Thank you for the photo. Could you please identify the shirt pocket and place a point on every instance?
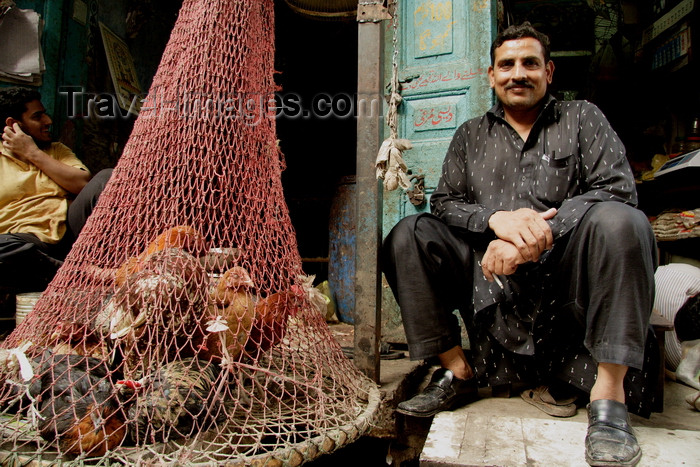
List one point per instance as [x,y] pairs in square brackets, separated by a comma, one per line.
[556,178]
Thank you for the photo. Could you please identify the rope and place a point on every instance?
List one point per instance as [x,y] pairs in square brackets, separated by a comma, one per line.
[390,164]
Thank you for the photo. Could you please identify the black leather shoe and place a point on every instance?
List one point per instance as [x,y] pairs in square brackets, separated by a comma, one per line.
[444,392]
[610,439]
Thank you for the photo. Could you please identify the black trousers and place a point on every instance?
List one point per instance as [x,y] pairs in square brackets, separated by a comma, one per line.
[26,263]
[596,308]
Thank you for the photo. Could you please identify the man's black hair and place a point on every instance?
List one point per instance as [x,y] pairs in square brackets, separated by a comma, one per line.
[518,32]
[14,100]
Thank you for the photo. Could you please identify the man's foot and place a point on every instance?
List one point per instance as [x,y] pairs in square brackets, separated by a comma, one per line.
[610,440]
[445,391]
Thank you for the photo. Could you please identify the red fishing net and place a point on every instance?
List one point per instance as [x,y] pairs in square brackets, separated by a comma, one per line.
[180,329]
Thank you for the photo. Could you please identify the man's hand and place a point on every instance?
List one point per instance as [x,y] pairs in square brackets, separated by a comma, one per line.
[526,229]
[501,258]
[20,144]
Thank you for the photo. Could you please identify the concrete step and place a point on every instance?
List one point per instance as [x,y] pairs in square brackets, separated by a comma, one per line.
[509,432]
[468,439]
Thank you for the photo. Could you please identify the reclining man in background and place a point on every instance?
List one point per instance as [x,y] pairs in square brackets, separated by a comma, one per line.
[534,237]
[46,194]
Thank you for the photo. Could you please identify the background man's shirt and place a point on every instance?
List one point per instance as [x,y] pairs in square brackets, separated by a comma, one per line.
[30,201]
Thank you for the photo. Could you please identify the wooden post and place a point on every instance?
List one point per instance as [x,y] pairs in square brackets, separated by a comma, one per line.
[369,195]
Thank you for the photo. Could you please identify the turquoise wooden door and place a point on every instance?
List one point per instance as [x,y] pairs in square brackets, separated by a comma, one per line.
[442,67]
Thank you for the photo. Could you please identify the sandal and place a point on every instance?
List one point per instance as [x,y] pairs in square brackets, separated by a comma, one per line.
[541,398]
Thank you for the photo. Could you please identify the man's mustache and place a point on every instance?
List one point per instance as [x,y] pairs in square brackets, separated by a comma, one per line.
[519,84]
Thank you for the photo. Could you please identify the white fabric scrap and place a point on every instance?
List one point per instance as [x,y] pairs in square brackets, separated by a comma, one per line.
[25,368]
[317,299]
[217,324]
[390,164]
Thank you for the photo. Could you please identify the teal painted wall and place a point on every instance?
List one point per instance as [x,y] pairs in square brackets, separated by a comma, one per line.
[442,60]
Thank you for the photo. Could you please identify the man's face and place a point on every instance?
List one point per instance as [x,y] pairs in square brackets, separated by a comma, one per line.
[36,123]
[519,74]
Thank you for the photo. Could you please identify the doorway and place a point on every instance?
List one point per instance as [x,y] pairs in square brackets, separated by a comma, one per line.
[316,74]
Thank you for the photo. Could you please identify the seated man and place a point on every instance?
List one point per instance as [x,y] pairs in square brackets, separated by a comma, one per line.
[40,214]
[534,237]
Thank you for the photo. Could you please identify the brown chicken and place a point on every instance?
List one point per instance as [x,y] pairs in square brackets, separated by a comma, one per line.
[156,310]
[231,284]
[78,339]
[79,408]
[183,237]
[271,315]
[232,306]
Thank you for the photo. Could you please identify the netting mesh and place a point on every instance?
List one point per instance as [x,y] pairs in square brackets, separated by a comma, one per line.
[180,329]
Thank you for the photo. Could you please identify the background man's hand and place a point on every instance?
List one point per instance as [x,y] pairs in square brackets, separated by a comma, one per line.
[526,229]
[501,258]
[19,143]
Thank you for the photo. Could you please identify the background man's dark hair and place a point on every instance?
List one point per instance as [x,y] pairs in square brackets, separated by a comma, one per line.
[518,32]
[14,100]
